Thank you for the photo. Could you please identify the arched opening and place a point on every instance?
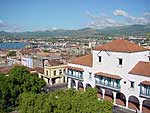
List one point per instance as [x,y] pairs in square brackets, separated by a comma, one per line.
[88,86]
[108,95]
[73,84]
[146,106]
[80,85]
[120,99]
[99,92]
[133,103]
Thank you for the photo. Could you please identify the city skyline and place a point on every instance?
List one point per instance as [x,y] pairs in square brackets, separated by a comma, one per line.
[33,15]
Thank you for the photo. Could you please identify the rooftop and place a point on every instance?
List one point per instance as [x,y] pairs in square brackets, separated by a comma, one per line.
[54,62]
[30,51]
[37,70]
[108,75]
[145,82]
[141,68]
[85,60]
[120,45]
[5,70]
[75,68]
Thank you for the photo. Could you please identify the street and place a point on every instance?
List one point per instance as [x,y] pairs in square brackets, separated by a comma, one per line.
[49,88]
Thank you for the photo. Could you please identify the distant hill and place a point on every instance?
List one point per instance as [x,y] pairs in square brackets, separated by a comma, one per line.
[109,31]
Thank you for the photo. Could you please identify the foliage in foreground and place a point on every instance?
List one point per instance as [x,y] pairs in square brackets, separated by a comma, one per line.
[19,80]
[68,101]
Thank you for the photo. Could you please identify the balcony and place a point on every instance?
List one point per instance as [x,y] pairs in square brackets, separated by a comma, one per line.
[75,77]
[145,91]
[109,83]
[74,74]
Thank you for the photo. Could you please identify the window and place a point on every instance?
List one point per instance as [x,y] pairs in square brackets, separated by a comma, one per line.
[60,71]
[90,75]
[54,72]
[46,72]
[64,70]
[149,58]
[132,84]
[120,61]
[100,59]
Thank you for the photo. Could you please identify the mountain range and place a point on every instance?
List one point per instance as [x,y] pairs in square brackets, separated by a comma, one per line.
[109,31]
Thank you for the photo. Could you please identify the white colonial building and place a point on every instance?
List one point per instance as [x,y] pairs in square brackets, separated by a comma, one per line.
[120,70]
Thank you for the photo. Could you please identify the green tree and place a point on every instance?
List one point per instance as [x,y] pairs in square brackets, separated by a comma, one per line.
[64,101]
[12,53]
[45,50]
[19,80]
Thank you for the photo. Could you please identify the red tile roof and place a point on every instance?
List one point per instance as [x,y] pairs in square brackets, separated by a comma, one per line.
[30,51]
[108,75]
[5,70]
[120,45]
[141,68]
[37,70]
[145,82]
[53,62]
[75,68]
[85,60]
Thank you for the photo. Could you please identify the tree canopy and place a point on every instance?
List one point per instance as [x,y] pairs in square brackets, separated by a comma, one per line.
[64,101]
[21,91]
[12,53]
[19,80]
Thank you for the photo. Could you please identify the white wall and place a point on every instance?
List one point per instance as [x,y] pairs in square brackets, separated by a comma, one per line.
[110,64]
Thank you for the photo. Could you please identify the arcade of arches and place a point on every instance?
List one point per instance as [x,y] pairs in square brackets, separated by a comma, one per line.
[118,98]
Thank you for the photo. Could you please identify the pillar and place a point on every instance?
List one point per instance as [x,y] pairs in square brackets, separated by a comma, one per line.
[103,93]
[69,82]
[65,79]
[40,75]
[127,101]
[76,81]
[141,103]
[84,86]
[50,81]
[114,95]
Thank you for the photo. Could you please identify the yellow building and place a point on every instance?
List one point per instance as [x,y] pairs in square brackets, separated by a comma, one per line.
[54,72]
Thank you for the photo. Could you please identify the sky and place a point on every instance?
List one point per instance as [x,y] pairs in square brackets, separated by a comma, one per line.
[33,15]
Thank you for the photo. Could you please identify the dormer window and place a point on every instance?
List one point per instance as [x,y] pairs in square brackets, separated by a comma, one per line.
[99,58]
[120,61]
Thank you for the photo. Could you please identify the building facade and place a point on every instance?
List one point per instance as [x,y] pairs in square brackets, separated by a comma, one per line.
[120,70]
[54,71]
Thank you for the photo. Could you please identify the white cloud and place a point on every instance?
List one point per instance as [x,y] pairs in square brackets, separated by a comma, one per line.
[147,14]
[132,19]
[137,20]
[119,12]
[4,26]
[102,21]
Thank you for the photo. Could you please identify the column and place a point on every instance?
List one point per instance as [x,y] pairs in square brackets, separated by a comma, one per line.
[50,81]
[76,81]
[84,86]
[69,82]
[141,103]
[65,79]
[126,101]
[39,75]
[103,93]
[114,95]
